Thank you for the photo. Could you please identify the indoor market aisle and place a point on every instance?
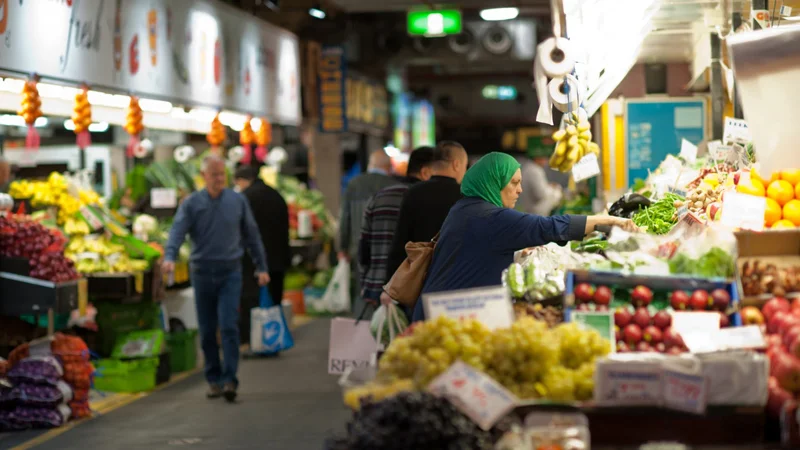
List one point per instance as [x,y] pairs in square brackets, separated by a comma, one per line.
[286,403]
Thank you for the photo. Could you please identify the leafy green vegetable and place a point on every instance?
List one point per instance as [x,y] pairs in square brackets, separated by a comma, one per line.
[638,185]
[660,217]
[717,263]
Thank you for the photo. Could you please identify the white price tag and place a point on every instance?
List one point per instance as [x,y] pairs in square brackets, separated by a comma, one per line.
[743,211]
[720,152]
[91,218]
[685,391]
[734,338]
[586,168]
[695,321]
[113,258]
[688,151]
[490,306]
[27,158]
[475,394]
[163,198]
[87,255]
[736,131]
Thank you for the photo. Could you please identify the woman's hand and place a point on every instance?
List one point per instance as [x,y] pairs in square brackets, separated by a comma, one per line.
[625,224]
[594,221]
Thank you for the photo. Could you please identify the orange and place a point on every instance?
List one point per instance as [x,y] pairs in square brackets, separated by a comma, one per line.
[791,175]
[791,211]
[782,224]
[757,176]
[781,191]
[773,213]
[797,191]
[755,187]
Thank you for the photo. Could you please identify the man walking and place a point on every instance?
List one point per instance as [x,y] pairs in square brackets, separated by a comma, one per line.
[272,217]
[380,222]
[358,192]
[426,204]
[220,225]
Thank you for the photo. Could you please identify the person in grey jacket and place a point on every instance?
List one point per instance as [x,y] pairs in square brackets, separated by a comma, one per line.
[358,193]
[221,225]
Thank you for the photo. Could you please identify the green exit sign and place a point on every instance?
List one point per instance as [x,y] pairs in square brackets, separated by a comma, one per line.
[493,92]
[434,23]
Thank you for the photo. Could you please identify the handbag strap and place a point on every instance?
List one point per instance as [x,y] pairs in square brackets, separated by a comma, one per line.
[436,238]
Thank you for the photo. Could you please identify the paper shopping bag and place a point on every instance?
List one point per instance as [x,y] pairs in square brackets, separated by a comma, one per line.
[351,345]
[269,332]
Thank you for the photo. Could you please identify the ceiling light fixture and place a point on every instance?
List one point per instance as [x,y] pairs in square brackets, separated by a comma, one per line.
[316,13]
[497,14]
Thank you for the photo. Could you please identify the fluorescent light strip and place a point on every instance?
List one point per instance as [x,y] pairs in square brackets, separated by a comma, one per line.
[99,127]
[497,14]
[12,120]
[316,13]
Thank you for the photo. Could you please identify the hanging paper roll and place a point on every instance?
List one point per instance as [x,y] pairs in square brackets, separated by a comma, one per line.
[133,125]
[216,136]
[246,139]
[263,139]
[31,109]
[82,118]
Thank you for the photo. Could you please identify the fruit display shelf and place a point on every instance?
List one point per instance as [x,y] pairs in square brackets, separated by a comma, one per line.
[25,295]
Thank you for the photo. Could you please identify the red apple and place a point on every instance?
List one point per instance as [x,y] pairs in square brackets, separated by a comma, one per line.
[643,347]
[788,322]
[752,316]
[679,300]
[786,371]
[775,322]
[601,308]
[789,336]
[795,304]
[672,338]
[632,334]
[652,334]
[720,299]
[713,209]
[602,296]
[662,320]
[699,300]
[584,292]
[622,347]
[774,305]
[794,347]
[724,321]
[641,296]
[777,398]
[661,348]
[617,334]
[622,317]
[641,317]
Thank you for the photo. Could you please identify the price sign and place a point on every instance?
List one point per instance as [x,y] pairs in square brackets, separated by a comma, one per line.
[490,306]
[743,211]
[735,338]
[586,168]
[685,391]
[163,198]
[475,394]
[695,321]
[688,151]
[736,131]
[83,296]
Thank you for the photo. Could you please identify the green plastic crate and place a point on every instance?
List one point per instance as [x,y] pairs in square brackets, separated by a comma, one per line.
[115,320]
[183,351]
[139,344]
[138,375]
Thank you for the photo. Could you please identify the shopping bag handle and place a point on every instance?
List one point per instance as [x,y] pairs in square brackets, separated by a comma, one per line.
[362,313]
[264,299]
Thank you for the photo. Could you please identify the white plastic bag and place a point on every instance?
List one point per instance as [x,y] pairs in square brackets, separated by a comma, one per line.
[337,296]
[387,323]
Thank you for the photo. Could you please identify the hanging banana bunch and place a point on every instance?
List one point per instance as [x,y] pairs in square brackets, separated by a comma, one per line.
[216,136]
[572,143]
[263,139]
[82,118]
[246,139]
[134,125]
[30,110]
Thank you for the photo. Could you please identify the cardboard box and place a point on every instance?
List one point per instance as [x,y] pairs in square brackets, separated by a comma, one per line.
[780,248]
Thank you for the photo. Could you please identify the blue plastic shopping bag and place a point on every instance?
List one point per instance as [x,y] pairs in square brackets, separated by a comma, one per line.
[269,332]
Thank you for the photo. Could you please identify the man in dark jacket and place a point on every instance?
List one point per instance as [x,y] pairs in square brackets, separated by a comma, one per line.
[272,218]
[426,204]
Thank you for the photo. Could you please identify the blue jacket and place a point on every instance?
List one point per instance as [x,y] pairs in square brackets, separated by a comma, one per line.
[478,241]
[220,229]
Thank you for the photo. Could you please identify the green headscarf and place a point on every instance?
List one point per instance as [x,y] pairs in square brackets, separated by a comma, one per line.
[487,178]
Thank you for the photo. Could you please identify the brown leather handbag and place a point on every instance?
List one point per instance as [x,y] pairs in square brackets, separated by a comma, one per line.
[406,283]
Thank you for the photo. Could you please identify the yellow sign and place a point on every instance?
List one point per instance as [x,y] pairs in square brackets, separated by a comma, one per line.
[83,296]
[367,102]
[332,90]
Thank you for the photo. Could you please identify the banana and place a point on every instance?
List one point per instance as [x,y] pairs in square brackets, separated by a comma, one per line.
[593,148]
[571,130]
[561,147]
[559,135]
[556,160]
[584,126]
[573,141]
[585,135]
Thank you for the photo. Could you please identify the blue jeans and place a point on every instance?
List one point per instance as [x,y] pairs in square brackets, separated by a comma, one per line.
[217,290]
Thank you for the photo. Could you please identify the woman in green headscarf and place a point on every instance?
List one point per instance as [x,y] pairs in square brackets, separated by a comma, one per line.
[480,235]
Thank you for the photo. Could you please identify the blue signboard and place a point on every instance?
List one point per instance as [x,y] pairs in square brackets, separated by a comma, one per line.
[654,129]
[331,79]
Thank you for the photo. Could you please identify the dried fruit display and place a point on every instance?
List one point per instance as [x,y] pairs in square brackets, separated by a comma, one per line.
[760,278]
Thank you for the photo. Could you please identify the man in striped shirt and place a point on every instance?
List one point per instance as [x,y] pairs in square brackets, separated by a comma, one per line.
[380,221]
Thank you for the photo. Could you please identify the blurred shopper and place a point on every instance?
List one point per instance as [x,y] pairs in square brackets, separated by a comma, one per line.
[380,222]
[272,217]
[539,196]
[482,231]
[426,205]
[5,174]
[220,225]
[358,193]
